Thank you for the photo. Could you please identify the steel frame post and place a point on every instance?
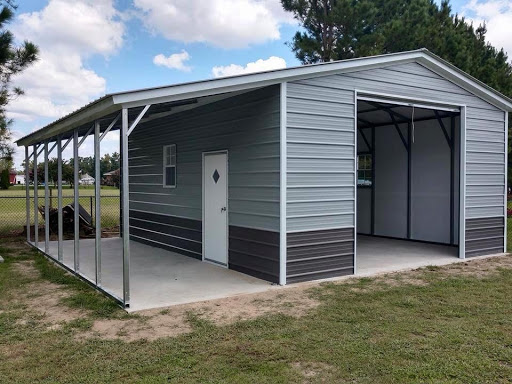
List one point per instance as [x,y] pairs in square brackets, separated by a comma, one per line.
[452,180]
[76,203]
[126,207]
[409,180]
[36,203]
[97,201]
[27,194]
[46,202]
[282,186]
[372,221]
[59,198]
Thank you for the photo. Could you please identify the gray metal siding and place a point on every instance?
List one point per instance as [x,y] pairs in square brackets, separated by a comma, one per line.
[247,126]
[322,109]
[254,252]
[319,254]
[320,158]
[484,236]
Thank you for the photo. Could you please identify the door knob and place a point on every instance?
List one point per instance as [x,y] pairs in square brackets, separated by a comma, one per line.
[223,209]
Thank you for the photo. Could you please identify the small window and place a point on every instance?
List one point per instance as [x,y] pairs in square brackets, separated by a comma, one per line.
[170,166]
[364,170]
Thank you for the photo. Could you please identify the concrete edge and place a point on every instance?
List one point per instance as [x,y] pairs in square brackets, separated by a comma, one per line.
[395,270]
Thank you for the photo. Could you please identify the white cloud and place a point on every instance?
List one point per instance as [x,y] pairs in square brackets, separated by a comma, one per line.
[222,23]
[66,33]
[272,62]
[498,17]
[174,61]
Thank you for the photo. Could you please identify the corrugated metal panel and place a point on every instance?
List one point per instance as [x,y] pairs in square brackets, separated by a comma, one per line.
[246,125]
[484,157]
[170,232]
[484,190]
[304,223]
[485,146]
[484,236]
[319,254]
[472,201]
[254,252]
[319,194]
[362,82]
[484,167]
[483,211]
[485,135]
[415,69]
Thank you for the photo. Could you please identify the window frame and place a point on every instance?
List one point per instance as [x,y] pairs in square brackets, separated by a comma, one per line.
[365,171]
[167,149]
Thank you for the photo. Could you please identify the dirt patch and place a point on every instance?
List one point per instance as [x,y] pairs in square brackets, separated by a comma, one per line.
[26,268]
[42,302]
[479,268]
[42,299]
[295,301]
[313,371]
[147,327]
[157,323]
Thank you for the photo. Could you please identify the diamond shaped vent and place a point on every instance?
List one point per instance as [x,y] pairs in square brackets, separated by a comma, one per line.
[216,176]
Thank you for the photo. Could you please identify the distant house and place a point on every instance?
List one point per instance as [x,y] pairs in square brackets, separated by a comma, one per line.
[20,180]
[12,177]
[112,178]
[86,180]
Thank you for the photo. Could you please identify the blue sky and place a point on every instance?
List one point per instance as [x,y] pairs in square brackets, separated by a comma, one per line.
[92,47]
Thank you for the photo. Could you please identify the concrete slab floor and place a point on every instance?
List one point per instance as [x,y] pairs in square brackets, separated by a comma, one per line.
[378,255]
[159,278]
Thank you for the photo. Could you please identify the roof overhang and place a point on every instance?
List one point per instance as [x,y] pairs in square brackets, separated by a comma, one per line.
[116,101]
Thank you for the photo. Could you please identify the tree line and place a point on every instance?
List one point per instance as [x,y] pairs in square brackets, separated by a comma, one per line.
[108,163]
[346,29]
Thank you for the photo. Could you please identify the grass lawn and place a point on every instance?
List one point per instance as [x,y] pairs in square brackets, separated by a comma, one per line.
[12,205]
[448,324]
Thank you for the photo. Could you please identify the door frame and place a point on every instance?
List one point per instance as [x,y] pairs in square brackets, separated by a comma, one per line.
[204,154]
[423,103]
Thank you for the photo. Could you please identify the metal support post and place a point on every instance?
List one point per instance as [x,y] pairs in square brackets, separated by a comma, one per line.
[46,202]
[97,201]
[36,203]
[76,202]
[59,197]
[126,209]
[27,193]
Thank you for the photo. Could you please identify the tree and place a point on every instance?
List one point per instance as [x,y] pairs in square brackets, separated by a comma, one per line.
[4,179]
[13,60]
[343,29]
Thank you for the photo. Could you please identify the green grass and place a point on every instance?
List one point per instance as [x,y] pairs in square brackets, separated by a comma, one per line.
[453,330]
[13,208]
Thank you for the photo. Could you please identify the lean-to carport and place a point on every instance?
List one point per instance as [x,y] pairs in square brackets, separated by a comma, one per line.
[99,128]
[118,266]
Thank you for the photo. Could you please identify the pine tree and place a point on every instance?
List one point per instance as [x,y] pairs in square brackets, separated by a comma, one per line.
[13,60]
[343,29]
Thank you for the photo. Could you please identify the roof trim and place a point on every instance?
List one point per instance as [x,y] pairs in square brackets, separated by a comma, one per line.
[115,101]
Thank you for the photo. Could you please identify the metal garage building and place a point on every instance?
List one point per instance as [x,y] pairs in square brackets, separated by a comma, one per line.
[306,173]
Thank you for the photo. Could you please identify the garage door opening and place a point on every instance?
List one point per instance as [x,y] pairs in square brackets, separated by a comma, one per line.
[407,184]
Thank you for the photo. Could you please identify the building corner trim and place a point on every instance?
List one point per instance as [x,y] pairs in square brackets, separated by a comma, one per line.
[283,186]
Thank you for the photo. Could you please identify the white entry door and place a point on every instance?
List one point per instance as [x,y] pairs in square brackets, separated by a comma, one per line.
[215,189]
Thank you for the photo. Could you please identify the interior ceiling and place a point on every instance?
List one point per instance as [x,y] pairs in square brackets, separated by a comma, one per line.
[371,113]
